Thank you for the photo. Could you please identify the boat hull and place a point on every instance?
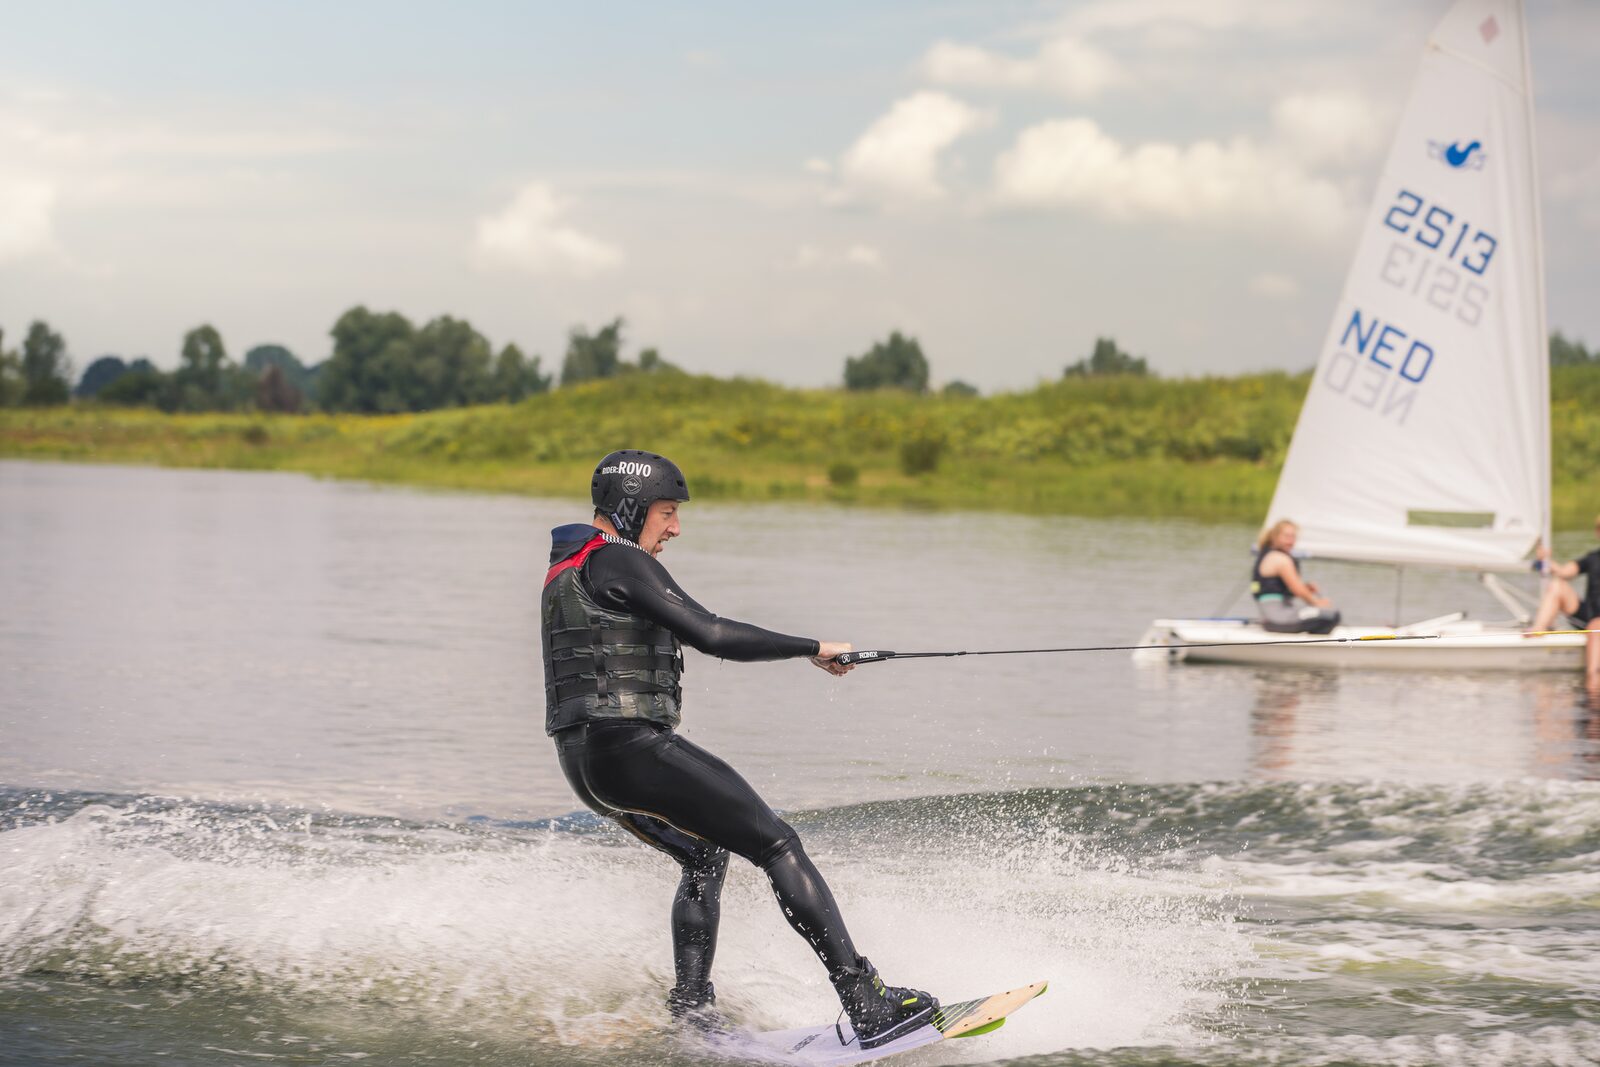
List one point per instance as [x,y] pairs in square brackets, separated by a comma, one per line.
[1465,646]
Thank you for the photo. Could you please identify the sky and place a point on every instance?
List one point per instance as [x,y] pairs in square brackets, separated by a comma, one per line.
[756,189]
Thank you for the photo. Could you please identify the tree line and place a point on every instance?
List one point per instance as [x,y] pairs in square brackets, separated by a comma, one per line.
[898,363]
[381,363]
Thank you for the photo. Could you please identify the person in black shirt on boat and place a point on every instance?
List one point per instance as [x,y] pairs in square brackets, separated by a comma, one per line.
[1560,598]
[613,623]
[1276,583]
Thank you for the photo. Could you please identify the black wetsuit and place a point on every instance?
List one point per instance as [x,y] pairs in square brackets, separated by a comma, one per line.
[671,793]
[1589,606]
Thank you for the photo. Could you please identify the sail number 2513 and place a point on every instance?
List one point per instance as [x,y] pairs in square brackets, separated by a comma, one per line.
[1433,227]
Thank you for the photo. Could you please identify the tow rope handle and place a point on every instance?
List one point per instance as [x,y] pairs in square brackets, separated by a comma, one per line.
[846,659]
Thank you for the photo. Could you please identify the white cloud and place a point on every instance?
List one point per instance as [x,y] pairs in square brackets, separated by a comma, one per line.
[1073,163]
[861,256]
[64,132]
[1274,286]
[1330,127]
[1162,16]
[26,206]
[1064,64]
[864,256]
[530,233]
[898,155]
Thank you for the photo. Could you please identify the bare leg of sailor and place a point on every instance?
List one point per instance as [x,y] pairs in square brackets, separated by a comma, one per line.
[1559,599]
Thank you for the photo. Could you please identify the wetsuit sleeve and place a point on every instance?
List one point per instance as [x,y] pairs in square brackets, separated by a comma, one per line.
[628,580]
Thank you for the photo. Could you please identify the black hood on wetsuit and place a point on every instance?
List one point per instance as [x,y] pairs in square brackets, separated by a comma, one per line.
[565,540]
[628,481]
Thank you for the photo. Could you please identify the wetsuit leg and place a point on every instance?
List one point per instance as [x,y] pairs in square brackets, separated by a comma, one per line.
[649,770]
[697,905]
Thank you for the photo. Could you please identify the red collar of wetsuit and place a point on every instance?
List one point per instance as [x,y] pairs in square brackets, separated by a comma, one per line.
[578,558]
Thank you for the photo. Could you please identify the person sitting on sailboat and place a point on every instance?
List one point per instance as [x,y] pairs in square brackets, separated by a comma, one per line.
[1560,598]
[1276,583]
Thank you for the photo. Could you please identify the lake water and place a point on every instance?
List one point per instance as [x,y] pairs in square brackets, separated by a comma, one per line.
[274,788]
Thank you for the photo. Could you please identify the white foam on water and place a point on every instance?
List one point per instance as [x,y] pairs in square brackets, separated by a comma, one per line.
[1576,1045]
[484,933]
[562,938]
[1551,957]
[1130,961]
[557,939]
[1414,887]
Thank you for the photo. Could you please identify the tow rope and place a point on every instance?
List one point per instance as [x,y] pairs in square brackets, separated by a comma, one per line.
[846,659]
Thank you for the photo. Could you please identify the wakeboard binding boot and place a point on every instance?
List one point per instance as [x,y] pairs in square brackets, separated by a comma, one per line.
[878,1013]
[696,1007]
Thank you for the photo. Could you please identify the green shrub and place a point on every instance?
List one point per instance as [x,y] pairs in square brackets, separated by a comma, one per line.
[921,454]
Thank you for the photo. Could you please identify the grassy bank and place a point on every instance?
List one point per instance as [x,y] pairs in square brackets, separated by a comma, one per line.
[1201,448]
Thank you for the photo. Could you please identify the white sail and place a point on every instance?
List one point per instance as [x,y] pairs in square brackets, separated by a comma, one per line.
[1425,433]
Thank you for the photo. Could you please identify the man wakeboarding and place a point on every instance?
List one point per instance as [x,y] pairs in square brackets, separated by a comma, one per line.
[614,622]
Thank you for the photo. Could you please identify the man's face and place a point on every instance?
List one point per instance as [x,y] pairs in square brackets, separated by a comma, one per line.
[660,526]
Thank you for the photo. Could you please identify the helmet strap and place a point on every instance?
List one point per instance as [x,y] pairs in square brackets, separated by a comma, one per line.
[629,518]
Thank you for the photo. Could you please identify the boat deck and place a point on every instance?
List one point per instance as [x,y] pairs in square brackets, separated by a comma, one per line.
[1462,645]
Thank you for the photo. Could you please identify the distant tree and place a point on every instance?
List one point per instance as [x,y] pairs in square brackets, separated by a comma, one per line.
[141,386]
[1565,353]
[1107,359]
[259,358]
[591,356]
[206,380]
[896,363]
[314,381]
[45,367]
[650,362]
[275,392]
[10,376]
[449,366]
[959,388]
[99,374]
[262,357]
[516,376]
[202,360]
[367,349]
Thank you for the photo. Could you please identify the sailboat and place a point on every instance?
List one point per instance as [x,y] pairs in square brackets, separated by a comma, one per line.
[1424,440]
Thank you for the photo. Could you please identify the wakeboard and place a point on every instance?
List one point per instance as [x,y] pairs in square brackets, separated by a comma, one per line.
[835,1044]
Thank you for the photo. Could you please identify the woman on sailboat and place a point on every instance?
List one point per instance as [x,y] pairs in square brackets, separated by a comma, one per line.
[1276,584]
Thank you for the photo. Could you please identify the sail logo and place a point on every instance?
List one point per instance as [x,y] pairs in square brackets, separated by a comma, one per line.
[1459,156]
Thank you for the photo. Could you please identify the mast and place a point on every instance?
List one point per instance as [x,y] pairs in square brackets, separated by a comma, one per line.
[1538,245]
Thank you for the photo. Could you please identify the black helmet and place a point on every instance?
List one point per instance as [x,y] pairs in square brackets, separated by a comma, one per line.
[628,481]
